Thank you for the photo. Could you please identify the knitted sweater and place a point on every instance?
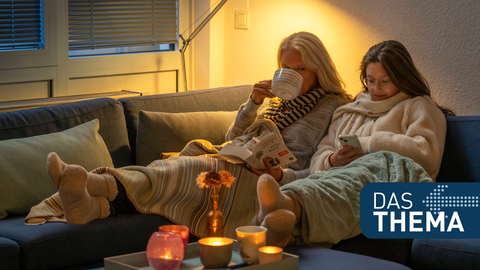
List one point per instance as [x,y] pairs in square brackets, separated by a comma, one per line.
[412,127]
[301,137]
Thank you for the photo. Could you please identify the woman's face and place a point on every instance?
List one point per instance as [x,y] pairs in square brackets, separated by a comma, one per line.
[292,59]
[379,85]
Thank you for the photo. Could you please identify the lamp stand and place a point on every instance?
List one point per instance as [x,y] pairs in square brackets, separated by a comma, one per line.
[193,35]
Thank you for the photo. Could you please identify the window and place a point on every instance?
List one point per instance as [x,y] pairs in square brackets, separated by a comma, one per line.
[99,27]
[21,25]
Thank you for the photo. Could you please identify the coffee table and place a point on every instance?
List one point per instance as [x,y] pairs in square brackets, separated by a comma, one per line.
[192,261]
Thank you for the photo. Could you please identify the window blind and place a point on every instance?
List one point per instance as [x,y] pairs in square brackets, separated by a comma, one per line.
[119,23]
[21,24]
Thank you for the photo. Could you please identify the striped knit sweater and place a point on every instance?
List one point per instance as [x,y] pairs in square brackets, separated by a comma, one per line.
[301,137]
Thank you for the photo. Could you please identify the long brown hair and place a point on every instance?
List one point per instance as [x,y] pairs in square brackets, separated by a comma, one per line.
[401,70]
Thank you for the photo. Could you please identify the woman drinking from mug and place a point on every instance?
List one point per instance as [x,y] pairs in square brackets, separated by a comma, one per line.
[304,120]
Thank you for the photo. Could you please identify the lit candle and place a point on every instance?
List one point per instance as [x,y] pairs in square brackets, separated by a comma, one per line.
[165,250]
[269,254]
[183,231]
[215,252]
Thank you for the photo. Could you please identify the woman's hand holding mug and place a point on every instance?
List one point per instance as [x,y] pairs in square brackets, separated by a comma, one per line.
[261,91]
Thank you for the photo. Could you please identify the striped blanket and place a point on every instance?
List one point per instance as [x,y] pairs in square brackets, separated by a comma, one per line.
[168,187]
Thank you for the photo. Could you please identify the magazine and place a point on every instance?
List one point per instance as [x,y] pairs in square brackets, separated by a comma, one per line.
[269,146]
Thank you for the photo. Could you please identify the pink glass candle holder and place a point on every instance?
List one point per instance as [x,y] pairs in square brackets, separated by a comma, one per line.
[215,252]
[165,251]
[269,254]
[183,231]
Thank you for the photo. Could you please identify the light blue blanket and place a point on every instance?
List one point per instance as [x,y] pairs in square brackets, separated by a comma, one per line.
[330,200]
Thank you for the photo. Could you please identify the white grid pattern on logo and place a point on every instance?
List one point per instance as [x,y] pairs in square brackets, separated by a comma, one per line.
[436,202]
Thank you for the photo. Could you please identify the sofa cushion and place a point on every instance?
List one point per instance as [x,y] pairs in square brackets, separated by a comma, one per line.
[25,181]
[169,132]
[9,254]
[215,99]
[44,120]
[59,245]
[445,254]
[314,257]
[461,161]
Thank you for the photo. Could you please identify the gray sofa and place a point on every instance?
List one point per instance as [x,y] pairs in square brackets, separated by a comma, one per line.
[62,246]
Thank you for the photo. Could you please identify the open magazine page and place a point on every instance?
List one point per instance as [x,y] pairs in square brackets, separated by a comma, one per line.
[274,150]
[238,154]
[269,146]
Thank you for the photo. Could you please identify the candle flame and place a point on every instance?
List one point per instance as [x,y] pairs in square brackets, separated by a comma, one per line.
[271,250]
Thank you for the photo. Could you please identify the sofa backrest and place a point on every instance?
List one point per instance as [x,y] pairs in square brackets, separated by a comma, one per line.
[215,99]
[44,120]
[461,158]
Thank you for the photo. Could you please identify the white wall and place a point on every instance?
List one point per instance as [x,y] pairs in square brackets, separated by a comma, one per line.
[443,37]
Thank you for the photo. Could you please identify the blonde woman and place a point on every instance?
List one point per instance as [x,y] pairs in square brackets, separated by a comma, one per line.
[303,121]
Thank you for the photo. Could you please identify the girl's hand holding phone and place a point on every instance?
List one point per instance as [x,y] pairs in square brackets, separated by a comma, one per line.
[350,150]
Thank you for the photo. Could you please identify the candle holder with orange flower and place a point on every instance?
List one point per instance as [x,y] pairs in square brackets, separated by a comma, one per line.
[214,180]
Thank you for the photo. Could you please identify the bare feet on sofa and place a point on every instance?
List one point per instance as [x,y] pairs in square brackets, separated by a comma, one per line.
[78,205]
[271,198]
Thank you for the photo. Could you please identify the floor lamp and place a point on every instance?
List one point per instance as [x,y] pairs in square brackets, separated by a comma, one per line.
[192,36]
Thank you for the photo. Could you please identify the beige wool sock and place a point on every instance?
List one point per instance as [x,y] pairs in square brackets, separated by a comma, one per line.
[271,198]
[279,224]
[78,205]
[103,184]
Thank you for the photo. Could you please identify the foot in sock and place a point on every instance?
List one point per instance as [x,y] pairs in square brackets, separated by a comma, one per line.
[78,205]
[97,184]
[55,168]
[271,197]
[279,224]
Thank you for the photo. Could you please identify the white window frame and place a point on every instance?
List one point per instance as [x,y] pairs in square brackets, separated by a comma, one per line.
[54,64]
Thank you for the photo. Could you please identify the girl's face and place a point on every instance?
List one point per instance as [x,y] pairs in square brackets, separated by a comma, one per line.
[379,85]
[292,59]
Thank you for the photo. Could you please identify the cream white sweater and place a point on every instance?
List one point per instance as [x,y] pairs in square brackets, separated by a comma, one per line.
[412,127]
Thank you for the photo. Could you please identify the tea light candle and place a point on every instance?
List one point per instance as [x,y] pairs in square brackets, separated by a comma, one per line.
[215,252]
[183,231]
[269,254]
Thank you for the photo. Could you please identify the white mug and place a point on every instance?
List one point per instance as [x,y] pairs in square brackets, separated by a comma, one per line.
[286,84]
[249,240]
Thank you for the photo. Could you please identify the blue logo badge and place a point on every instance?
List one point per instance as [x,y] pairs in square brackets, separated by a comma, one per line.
[420,210]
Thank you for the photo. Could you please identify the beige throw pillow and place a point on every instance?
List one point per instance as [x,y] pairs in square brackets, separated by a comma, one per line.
[160,132]
[24,181]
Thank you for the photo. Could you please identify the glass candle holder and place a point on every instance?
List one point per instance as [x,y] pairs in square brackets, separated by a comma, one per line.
[215,252]
[269,254]
[183,231]
[165,251]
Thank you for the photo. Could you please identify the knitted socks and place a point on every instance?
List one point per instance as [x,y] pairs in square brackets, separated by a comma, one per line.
[103,184]
[271,198]
[279,224]
[78,205]
[278,212]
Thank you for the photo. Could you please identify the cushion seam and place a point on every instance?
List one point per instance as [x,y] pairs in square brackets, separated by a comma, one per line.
[448,248]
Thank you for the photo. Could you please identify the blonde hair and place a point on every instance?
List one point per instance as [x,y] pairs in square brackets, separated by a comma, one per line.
[316,58]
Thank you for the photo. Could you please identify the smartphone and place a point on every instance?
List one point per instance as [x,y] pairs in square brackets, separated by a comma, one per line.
[351,140]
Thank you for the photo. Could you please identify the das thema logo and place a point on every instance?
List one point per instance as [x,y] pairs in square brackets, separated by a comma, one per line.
[420,210]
